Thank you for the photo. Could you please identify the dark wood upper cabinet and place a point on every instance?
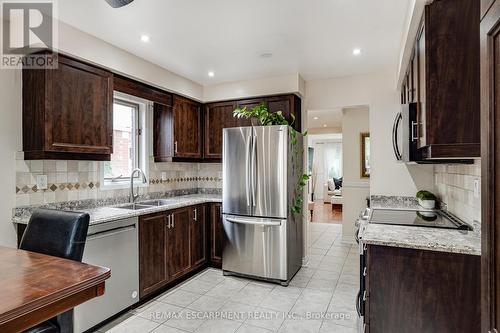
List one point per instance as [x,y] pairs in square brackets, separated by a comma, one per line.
[490,165]
[68,112]
[177,130]
[198,235]
[289,105]
[219,115]
[447,51]
[163,133]
[416,292]
[187,128]
[178,243]
[152,253]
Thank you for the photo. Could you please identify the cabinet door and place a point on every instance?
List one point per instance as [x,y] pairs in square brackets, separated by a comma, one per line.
[79,117]
[187,128]
[249,104]
[286,105]
[162,133]
[198,235]
[178,246]
[490,164]
[414,64]
[152,253]
[216,235]
[421,119]
[217,117]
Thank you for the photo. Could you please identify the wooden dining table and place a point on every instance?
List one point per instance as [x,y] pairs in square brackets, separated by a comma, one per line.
[36,287]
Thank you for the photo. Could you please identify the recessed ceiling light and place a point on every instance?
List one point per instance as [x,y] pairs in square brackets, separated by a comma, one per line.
[315,118]
[324,125]
[266,55]
[211,74]
[356,52]
[145,38]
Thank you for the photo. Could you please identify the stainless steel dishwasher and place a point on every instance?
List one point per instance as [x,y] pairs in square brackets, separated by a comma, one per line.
[114,245]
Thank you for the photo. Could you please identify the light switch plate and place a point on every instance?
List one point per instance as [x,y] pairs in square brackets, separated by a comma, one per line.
[476,188]
[41,182]
[163,176]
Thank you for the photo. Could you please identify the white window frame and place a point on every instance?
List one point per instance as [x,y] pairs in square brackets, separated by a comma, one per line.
[140,143]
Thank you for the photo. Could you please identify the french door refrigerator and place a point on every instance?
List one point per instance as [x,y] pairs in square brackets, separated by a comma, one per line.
[261,168]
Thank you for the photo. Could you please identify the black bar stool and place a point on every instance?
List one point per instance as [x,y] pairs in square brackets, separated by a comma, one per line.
[60,234]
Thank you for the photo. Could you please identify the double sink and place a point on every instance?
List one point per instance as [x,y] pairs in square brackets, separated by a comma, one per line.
[146,204]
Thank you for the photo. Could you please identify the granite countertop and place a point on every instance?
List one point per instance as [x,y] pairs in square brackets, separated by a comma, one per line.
[424,238]
[111,213]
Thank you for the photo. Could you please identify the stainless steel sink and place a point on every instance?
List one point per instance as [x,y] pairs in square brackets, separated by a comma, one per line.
[135,206]
[157,202]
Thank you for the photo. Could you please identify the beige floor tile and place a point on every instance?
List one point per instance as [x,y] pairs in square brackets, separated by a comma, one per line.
[219,326]
[179,297]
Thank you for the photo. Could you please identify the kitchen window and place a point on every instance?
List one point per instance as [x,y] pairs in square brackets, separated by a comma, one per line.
[129,143]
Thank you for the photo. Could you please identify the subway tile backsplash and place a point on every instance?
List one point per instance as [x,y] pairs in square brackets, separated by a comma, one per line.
[80,180]
[455,187]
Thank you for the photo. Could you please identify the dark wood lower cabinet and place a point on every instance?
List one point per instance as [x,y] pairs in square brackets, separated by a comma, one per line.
[416,291]
[172,244]
[198,236]
[178,243]
[152,252]
[216,235]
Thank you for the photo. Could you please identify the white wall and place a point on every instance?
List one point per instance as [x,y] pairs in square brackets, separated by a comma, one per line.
[378,92]
[250,88]
[354,188]
[10,142]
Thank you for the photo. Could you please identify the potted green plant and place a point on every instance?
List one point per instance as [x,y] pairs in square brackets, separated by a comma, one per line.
[260,116]
[426,199]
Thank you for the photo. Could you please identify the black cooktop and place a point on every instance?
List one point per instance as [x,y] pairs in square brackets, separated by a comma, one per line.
[432,219]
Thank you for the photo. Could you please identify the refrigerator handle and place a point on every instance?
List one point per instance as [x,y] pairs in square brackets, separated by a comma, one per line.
[247,171]
[242,221]
[254,167]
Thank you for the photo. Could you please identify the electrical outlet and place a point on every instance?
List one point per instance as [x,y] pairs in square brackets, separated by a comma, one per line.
[41,182]
[476,188]
[163,176]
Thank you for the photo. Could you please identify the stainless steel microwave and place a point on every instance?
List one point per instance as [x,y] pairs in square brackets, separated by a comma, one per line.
[405,134]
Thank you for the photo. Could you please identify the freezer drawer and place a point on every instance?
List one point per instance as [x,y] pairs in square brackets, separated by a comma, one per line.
[255,246]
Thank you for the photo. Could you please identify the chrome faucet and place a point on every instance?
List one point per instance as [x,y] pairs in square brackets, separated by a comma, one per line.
[133,196]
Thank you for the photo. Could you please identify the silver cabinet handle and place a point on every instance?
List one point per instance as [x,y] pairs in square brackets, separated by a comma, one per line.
[364,271]
[175,147]
[168,221]
[195,214]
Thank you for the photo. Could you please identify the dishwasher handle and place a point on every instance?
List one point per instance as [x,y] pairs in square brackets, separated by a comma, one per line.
[110,232]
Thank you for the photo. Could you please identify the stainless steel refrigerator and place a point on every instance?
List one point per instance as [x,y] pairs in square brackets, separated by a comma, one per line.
[261,169]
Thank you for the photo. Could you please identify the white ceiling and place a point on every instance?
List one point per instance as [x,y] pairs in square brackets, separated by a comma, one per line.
[331,118]
[192,37]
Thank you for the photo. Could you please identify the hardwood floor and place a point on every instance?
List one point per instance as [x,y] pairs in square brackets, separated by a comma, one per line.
[323,213]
